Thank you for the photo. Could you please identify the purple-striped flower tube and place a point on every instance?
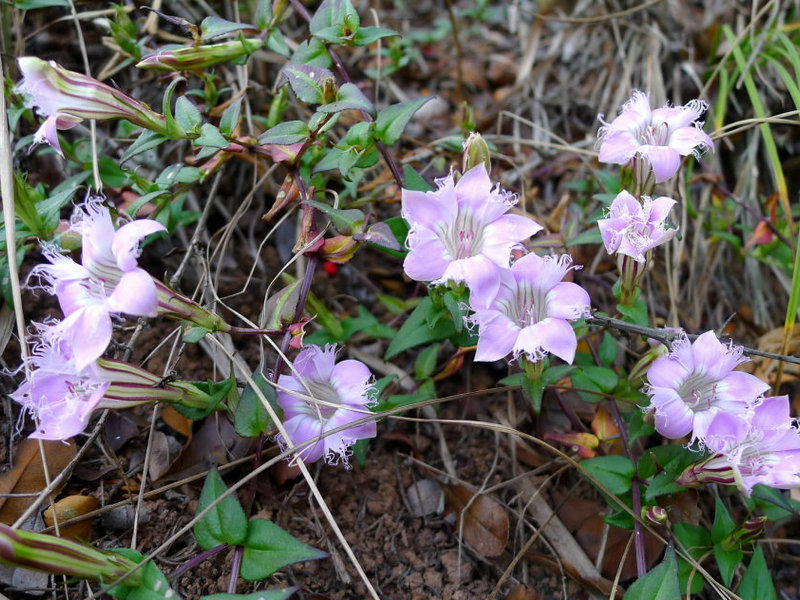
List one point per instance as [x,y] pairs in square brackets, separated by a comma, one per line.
[52,554]
[762,449]
[531,311]
[322,395]
[696,382]
[66,98]
[191,58]
[461,233]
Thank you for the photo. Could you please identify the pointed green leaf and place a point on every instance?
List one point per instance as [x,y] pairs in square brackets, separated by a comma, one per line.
[210,137]
[306,81]
[348,97]
[659,584]
[147,140]
[230,117]
[284,134]
[756,582]
[251,419]
[346,221]
[615,472]
[723,524]
[369,35]
[268,548]
[416,329]
[392,120]
[213,27]
[226,523]
[187,115]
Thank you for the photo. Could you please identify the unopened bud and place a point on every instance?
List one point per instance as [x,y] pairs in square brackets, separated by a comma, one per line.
[750,529]
[476,151]
[655,514]
[191,58]
[339,249]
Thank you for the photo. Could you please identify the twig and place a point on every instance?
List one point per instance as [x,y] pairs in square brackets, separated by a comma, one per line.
[667,337]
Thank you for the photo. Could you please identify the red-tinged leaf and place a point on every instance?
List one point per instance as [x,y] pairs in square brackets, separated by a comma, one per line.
[485,521]
[584,444]
[762,234]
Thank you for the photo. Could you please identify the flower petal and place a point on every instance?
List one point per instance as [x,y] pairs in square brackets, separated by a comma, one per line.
[135,294]
[88,330]
[548,335]
[350,379]
[665,161]
[496,335]
[125,244]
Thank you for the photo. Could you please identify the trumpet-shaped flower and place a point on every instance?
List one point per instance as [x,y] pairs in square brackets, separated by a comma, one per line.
[461,232]
[765,448]
[63,394]
[108,280]
[659,136]
[696,382]
[531,311]
[321,396]
[634,229]
[66,98]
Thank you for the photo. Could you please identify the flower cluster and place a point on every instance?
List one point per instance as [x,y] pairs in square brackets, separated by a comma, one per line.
[320,399]
[695,390]
[651,142]
[67,379]
[460,233]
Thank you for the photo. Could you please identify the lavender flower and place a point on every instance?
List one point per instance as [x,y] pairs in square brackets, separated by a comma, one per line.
[66,98]
[461,232]
[633,229]
[696,382]
[762,449]
[108,280]
[660,136]
[531,311]
[344,394]
[63,394]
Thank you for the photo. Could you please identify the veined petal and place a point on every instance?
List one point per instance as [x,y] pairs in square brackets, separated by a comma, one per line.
[687,139]
[350,379]
[88,330]
[567,300]
[666,372]
[302,428]
[555,336]
[496,335]
[316,363]
[673,419]
[125,244]
[432,210]
[426,260]
[618,148]
[48,133]
[665,161]
[741,386]
[474,189]
[658,208]
[135,294]
[479,273]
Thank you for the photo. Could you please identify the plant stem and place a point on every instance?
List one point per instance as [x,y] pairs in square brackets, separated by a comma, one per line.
[196,560]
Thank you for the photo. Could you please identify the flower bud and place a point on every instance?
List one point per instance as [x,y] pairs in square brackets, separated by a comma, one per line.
[476,151]
[655,514]
[750,529]
[64,557]
[192,58]
[66,98]
[339,249]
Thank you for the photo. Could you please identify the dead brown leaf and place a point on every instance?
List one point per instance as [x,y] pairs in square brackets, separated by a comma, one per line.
[28,474]
[485,520]
[69,508]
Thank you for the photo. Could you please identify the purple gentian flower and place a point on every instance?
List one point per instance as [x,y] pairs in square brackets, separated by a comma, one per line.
[344,393]
[531,311]
[634,229]
[60,393]
[461,232]
[765,448]
[108,280]
[660,136]
[695,382]
[66,98]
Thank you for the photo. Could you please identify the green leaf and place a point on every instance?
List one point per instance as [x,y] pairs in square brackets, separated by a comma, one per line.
[313,53]
[727,561]
[226,523]
[392,120]
[659,584]
[230,117]
[756,582]
[276,594]
[615,472]
[348,97]
[345,221]
[414,181]
[34,4]
[426,362]
[416,330]
[636,314]
[306,81]
[187,115]
[213,27]
[774,503]
[335,21]
[369,35]
[250,418]
[152,585]
[608,349]
[697,542]
[147,140]
[216,392]
[268,548]
[381,235]
[281,306]
[210,137]
[723,524]
[284,134]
